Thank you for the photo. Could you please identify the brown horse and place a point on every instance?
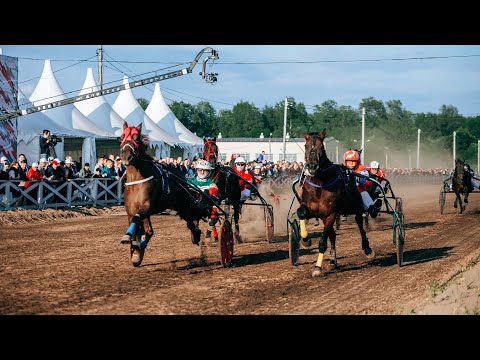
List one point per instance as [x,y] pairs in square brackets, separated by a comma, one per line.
[326,192]
[226,180]
[461,184]
[151,188]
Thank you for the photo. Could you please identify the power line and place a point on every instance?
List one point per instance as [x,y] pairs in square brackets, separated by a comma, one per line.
[270,62]
[344,61]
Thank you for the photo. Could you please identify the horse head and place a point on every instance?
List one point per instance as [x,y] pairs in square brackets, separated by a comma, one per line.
[458,174]
[210,151]
[314,152]
[131,142]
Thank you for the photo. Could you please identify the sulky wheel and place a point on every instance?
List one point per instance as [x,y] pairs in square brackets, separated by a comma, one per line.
[136,250]
[269,223]
[294,242]
[226,244]
[399,230]
[441,201]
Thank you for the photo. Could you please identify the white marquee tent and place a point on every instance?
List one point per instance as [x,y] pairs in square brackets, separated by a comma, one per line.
[97,108]
[162,115]
[129,109]
[30,127]
[68,116]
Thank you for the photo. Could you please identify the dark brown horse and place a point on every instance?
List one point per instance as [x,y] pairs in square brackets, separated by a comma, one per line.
[461,184]
[226,180]
[326,192]
[150,189]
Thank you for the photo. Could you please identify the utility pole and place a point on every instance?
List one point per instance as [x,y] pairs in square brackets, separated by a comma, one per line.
[418,149]
[363,136]
[100,67]
[454,146]
[270,147]
[337,150]
[285,128]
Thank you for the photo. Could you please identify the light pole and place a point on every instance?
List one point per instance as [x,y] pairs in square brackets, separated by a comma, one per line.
[270,148]
[454,146]
[418,149]
[386,158]
[362,156]
[337,149]
[285,128]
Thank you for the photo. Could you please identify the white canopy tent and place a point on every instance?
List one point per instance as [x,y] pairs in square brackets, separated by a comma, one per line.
[129,109]
[30,127]
[68,116]
[162,115]
[97,108]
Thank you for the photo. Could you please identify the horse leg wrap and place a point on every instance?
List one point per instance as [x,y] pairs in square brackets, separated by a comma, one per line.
[319,260]
[131,229]
[303,229]
[144,242]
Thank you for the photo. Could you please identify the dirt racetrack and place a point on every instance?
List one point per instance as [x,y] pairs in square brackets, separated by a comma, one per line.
[72,262]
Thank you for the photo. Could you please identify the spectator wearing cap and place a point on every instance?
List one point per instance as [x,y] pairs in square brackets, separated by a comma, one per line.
[33,174]
[85,172]
[56,175]
[4,164]
[69,173]
[72,164]
[42,166]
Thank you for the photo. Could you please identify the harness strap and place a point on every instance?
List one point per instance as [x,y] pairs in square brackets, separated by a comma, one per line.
[139,181]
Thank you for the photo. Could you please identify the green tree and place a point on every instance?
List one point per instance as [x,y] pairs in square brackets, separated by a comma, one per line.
[143,103]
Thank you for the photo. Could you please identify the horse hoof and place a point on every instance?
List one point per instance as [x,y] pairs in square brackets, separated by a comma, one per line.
[317,272]
[126,239]
[371,255]
[137,257]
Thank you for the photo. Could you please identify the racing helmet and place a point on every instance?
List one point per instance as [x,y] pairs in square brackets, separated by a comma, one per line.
[374,165]
[466,167]
[240,160]
[205,165]
[351,155]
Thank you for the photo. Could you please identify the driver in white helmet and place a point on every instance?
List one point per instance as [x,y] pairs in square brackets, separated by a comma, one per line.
[375,169]
[240,164]
[203,181]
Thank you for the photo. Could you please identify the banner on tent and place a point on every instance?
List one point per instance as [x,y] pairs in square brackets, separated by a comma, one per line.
[8,103]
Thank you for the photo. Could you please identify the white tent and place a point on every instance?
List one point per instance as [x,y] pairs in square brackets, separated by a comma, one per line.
[129,109]
[97,108]
[30,127]
[49,90]
[162,115]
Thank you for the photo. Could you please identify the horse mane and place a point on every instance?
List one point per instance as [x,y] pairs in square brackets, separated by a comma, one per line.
[144,146]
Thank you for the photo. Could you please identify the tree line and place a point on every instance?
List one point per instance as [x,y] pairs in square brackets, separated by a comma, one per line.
[389,121]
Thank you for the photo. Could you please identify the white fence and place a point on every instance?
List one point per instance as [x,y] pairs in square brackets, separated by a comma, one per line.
[58,194]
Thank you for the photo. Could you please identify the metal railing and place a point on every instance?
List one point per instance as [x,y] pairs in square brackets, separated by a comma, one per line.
[58,194]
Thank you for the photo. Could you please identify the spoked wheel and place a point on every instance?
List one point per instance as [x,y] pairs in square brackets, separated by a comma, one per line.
[399,231]
[294,242]
[269,223]
[226,244]
[441,200]
[136,251]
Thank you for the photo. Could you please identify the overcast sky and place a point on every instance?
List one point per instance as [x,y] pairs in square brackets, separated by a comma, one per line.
[340,73]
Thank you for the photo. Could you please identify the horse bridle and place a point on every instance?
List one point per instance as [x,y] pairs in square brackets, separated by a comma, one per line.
[210,150]
[314,151]
[132,130]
